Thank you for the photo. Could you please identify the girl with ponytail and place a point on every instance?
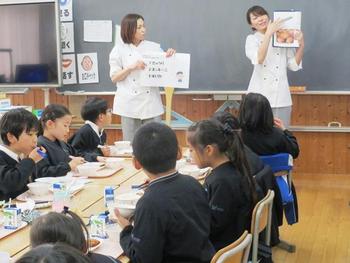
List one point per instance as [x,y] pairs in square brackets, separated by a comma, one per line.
[61,157]
[230,186]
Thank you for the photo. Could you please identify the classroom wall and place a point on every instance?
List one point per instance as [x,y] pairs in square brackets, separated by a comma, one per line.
[321,152]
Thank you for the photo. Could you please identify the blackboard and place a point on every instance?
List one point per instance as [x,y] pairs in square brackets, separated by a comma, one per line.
[214,33]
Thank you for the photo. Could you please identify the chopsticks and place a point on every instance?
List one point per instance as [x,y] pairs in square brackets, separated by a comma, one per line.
[140,186]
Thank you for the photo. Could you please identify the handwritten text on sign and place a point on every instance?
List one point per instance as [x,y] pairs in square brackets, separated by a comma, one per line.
[161,71]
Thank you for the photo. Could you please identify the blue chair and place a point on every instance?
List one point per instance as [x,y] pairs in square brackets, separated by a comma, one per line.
[282,164]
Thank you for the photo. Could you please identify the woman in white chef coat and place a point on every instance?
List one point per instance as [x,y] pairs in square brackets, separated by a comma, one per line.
[134,103]
[269,77]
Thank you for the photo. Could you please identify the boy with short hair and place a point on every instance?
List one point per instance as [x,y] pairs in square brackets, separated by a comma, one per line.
[18,129]
[88,139]
[172,219]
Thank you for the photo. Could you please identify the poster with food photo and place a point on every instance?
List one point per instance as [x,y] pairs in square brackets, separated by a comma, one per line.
[288,34]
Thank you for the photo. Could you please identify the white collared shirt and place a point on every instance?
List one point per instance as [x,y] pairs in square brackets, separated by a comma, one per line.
[132,100]
[95,128]
[270,78]
[10,153]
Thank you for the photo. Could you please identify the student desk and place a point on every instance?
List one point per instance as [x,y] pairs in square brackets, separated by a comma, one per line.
[86,201]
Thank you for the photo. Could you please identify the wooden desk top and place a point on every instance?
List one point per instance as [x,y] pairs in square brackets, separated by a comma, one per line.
[88,201]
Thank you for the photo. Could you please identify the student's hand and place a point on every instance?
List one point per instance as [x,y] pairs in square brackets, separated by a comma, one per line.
[138,65]
[274,26]
[106,151]
[170,52]
[101,159]
[75,162]
[122,221]
[35,156]
[299,36]
[279,124]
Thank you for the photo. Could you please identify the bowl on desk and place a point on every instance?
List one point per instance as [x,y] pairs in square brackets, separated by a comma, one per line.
[126,203]
[38,189]
[90,169]
[114,163]
[122,145]
[121,148]
[126,211]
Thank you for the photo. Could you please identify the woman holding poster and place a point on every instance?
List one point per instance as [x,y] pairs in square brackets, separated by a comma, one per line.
[269,77]
[134,103]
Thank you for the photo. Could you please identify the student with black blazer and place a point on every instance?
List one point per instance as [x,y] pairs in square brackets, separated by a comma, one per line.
[230,187]
[264,134]
[172,218]
[19,153]
[261,132]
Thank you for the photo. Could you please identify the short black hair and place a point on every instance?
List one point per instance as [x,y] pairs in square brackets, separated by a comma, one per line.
[255,114]
[155,146]
[92,108]
[54,253]
[16,122]
[226,117]
[66,227]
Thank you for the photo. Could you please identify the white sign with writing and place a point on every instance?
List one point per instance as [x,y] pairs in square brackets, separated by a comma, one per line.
[161,71]
[66,10]
[98,30]
[67,37]
[69,74]
[88,68]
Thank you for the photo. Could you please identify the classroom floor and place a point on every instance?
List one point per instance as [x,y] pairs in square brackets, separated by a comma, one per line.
[323,231]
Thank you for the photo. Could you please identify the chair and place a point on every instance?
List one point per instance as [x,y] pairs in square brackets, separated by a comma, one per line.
[282,165]
[237,252]
[261,219]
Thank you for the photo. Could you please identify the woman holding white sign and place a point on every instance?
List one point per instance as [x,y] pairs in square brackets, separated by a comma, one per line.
[134,103]
[269,77]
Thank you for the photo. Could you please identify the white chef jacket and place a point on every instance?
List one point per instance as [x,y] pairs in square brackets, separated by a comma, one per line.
[270,78]
[132,100]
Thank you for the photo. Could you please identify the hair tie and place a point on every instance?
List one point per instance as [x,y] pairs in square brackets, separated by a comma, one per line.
[65,209]
[227,129]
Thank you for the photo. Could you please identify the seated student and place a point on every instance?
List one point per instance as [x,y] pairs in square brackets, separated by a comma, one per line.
[230,187]
[18,130]
[67,228]
[266,135]
[262,174]
[261,132]
[87,139]
[172,218]
[55,121]
[49,253]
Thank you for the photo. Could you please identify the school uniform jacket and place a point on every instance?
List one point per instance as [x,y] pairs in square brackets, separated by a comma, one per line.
[99,258]
[56,162]
[14,176]
[172,223]
[86,140]
[230,202]
[277,141]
